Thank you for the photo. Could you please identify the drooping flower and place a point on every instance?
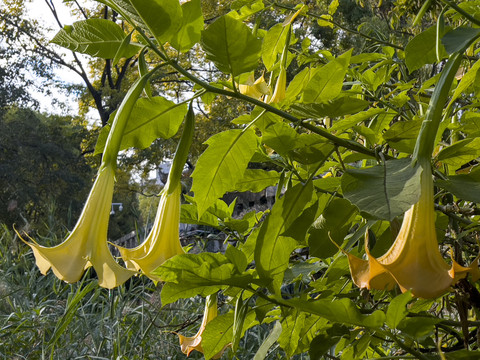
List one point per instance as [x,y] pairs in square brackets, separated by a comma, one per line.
[254,88]
[280,87]
[414,261]
[87,246]
[87,243]
[163,241]
[188,344]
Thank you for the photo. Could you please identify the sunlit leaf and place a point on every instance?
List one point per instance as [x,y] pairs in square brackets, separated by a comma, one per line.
[231,46]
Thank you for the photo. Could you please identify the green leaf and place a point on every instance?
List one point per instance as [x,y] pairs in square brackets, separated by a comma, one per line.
[356,118]
[192,26]
[397,310]
[251,7]
[332,225]
[281,137]
[219,331]
[403,135]
[321,344]
[460,38]
[291,328]
[262,351]
[418,327]
[150,119]
[464,186]
[229,43]
[460,153]
[189,215]
[340,311]
[421,50]
[221,165]
[201,270]
[273,250]
[256,180]
[341,106]
[384,191]
[162,17]
[95,37]
[327,82]
[467,80]
[273,44]
[171,292]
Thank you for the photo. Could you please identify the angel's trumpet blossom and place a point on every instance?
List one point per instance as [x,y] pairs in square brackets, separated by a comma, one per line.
[87,243]
[188,344]
[280,87]
[163,241]
[414,261]
[254,88]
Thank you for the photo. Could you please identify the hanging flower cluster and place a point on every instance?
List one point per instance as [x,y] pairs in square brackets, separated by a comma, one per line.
[87,245]
[414,261]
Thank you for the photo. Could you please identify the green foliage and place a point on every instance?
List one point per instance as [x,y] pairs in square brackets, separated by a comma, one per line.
[345,134]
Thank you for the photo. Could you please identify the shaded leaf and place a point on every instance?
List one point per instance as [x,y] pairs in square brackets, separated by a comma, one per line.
[384,191]
[341,106]
[421,50]
[192,25]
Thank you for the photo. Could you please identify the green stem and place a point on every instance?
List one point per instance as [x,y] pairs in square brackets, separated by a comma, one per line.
[114,139]
[183,149]
[433,117]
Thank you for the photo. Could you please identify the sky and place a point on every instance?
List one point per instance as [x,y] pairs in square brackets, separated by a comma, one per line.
[38,10]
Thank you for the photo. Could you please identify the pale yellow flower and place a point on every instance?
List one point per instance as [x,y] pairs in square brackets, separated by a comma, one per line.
[87,243]
[254,88]
[414,261]
[188,344]
[280,88]
[163,241]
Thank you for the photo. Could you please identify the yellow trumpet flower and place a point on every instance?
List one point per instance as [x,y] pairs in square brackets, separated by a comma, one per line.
[87,243]
[163,241]
[255,89]
[188,344]
[414,261]
[280,87]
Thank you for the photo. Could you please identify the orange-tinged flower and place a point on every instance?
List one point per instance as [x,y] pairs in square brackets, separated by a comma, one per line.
[280,87]
[188,344]
[87,243]
[255,89]
[414,261]
[163,241]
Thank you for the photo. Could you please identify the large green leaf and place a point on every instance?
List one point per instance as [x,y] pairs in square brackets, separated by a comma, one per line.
[220,167]
[291,328]
[273,250]
[340,106]
[332,225]
[231,46]
[468,79]
[195,272]
[219,332]
[327,82]
[464,186]
[273,44]
[95,37]
[460,153]
[460,38]
[421,50]
[162,17]
[262,351]
[256,180]
[190,32]
[384,191]
[397,310]
[340,311]
[150,119]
